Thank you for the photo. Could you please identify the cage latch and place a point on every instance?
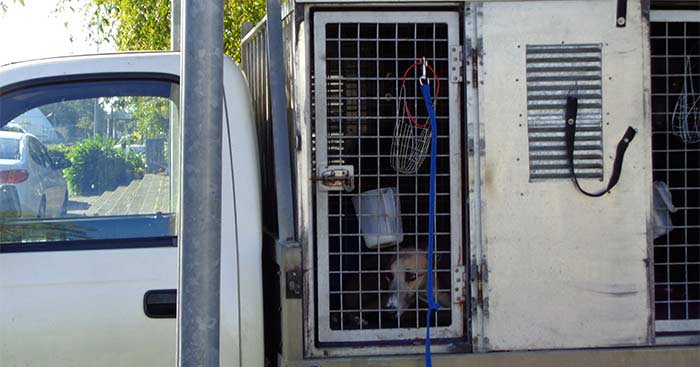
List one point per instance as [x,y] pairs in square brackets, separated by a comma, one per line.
[336,178]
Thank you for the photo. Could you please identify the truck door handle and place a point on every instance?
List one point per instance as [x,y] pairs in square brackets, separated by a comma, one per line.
[160,303]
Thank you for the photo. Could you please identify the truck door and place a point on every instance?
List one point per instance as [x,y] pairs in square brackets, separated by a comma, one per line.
[96,286]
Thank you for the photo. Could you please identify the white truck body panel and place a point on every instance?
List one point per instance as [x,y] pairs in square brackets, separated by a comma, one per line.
[85,308]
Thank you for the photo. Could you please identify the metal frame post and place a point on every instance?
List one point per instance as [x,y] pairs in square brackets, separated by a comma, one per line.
[280,123]
[200,227]
[175,22]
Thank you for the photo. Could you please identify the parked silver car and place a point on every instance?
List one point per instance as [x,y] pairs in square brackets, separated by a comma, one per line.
[31,182]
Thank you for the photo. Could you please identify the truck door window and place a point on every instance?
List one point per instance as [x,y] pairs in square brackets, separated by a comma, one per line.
[112,140]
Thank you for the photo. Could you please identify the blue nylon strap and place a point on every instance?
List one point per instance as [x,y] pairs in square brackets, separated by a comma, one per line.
[432,305]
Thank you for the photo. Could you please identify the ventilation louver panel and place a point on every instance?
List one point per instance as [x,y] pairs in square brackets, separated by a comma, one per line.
[553,73]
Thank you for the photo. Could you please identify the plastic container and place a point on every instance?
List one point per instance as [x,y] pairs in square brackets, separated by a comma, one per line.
[379,214]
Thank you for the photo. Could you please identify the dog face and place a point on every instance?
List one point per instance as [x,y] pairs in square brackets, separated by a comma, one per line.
[408,276]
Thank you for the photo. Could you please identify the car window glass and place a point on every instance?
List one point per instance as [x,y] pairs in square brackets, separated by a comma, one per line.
[45,155]
[35,152]
[112,144]
[9,148]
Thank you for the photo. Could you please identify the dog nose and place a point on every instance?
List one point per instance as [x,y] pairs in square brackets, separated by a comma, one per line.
[392,302]
[394,305]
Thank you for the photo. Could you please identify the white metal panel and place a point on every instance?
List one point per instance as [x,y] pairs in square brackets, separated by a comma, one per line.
[85,308]
[241,231]
[565,270]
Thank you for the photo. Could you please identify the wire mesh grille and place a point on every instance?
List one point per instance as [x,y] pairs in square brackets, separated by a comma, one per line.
[677,163]
[364,67]
[553,73]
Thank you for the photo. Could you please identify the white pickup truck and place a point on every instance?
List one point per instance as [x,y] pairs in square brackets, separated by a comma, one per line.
[95,286]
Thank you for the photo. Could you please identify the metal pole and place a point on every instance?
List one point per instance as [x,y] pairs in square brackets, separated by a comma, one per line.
[174,142]
[200,227]
[175,21]
[280,123]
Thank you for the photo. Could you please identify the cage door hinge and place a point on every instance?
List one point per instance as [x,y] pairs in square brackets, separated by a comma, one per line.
[456,64]
[336,178]
[475,68]
[294,284]
[479,276]
[472,55]
[459,280]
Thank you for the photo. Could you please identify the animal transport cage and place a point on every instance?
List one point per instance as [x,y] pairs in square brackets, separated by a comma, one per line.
[360,62]
[524,260]
[675,73]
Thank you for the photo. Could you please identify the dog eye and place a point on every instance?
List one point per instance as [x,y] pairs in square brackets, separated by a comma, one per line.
[410,277]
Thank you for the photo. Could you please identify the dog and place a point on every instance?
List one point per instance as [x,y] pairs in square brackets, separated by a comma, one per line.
[404,281]
[408,281]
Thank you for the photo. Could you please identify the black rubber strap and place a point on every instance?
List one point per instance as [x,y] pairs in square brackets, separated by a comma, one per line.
[621,19]
[570,136]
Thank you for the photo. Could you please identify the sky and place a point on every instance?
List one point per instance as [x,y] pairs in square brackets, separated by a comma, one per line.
[35,31]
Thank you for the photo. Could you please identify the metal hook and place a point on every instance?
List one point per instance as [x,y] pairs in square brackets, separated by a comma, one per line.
[424,77]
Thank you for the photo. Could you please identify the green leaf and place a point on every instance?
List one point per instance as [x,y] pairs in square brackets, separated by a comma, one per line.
[134,25]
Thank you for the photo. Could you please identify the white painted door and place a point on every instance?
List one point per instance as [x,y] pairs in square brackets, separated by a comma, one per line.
[564,270]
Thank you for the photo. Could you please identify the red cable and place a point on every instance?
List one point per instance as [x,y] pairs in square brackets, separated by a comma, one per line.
[437,91]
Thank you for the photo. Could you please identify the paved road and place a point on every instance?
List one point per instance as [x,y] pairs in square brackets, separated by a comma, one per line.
[145,196]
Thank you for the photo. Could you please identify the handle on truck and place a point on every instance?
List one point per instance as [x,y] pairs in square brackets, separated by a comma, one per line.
[160,303]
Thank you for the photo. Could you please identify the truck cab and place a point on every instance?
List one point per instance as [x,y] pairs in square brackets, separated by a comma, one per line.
[96,286]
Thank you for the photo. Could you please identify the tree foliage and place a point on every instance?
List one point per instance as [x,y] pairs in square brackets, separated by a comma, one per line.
[137,25]
[3,5]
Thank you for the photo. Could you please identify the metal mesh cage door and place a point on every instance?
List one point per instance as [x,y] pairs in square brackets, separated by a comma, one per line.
[372,241]
[675,68]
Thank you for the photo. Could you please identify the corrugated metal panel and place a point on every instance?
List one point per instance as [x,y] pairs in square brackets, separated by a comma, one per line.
[553,73]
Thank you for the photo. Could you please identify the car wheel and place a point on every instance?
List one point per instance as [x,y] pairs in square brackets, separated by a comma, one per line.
[64,207]
[42,208]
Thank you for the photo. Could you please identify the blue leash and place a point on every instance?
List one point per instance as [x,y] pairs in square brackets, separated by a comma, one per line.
[432,305]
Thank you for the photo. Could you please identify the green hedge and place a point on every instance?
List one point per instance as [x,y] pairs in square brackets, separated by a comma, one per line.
[96,166]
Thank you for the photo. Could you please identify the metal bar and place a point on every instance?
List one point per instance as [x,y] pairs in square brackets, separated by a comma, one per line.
[476,200]
[175,24]
[280,123]
[200,230]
